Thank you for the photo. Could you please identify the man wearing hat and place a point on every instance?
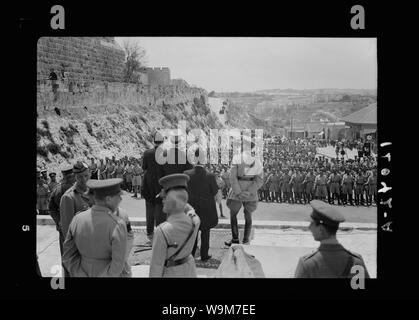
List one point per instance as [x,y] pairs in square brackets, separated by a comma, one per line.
[151,188]
[76,198]
[99,239]
[174,239]
[55,198]
[331,259]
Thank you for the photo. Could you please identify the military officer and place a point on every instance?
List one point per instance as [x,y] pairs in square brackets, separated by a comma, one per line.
[93,169]
[331,259]
[297,183]
[246,177]
[98,240]
[285,186]
[320,186]
[76,198]
[174,239]
[53,181]
[347,188]
[371,188]
[102,170]
[309,186]
[42,193]
[55,198]
[359,188]
[335,181]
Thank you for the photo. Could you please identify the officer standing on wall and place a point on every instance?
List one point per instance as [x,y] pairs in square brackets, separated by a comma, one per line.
[331,259]
[174,239]
[97,242]
[246,177]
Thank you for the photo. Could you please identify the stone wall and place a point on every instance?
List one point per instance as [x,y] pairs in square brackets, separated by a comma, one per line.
[158,76]
[63,95]
[80,59]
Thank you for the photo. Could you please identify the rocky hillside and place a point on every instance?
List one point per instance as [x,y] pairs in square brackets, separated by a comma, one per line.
[105,123]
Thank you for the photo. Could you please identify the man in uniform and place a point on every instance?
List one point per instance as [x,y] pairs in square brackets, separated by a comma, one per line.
[331,259]
[174,239]
[246,177]
[42,193]
[99,239]
[53,181]
[297,183]
[93,169]
[320,186]
[359,188]
[102,170]
[55,198]
[285,186]
[76,198]
[335,181]
[347,188]
[371,188]
[309,186]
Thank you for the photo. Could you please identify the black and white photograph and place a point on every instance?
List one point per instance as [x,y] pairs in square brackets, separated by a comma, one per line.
[207,157]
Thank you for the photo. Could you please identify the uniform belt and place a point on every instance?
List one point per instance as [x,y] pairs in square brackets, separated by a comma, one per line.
[246,179]
[321,185]
[173,263]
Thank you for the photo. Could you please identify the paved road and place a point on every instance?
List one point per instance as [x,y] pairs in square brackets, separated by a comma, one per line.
[270,211]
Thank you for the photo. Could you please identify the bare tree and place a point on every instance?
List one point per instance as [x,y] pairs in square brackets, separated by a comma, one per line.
[135,59]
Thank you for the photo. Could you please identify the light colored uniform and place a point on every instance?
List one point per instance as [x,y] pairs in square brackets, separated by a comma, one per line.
[96,244]
[175,230]
[245,178]
[72,202]
[126,272]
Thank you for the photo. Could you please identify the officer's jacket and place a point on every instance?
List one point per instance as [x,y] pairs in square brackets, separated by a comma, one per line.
[96,244]
[71,203]
[54,201]
[168,234]
[126,272]
[254,180]
[329,261]
[42,192]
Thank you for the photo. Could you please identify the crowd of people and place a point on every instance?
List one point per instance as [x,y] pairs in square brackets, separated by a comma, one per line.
[182,200]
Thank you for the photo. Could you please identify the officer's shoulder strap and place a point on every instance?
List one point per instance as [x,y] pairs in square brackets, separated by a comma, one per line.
[308,256]
[353,254]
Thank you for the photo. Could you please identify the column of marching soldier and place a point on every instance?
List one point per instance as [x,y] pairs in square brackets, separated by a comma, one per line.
[96,237]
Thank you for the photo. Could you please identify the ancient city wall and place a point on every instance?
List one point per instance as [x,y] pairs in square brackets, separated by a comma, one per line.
[81,59]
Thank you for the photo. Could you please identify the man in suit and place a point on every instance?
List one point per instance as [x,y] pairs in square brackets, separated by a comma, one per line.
[151,188]
[202,188]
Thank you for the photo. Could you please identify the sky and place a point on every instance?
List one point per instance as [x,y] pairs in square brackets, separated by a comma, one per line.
[250,64]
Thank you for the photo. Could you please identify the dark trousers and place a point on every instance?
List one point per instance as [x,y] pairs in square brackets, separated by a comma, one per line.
[205,239]
[249,207]
[154,216]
